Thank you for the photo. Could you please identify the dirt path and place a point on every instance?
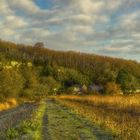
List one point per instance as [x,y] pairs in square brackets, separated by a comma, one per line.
[12,117]
[61,124]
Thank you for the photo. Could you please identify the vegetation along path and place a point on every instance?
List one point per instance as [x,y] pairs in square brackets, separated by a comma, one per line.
[60,123]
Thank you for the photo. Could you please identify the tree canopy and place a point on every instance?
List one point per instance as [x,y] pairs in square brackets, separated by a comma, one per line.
[30,66]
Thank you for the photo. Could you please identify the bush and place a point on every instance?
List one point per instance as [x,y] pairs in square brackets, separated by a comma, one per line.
[127,81]
[52,85]
[41,91]
[112,89]
[9,79]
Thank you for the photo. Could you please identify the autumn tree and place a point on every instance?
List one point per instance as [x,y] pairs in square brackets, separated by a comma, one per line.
[112,88]
[11,83]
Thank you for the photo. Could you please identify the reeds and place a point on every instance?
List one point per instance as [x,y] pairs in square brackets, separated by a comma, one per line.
[119,114]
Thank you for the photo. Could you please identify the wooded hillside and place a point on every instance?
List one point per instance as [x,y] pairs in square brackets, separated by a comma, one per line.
[67,69]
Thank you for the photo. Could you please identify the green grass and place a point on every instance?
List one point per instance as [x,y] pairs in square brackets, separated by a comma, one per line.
[12,133]
[38,120]
[65,124]
[29,128]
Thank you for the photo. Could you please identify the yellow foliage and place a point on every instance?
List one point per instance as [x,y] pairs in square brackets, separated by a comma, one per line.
[14,63]
[12,102]
[7,67]
[6,105]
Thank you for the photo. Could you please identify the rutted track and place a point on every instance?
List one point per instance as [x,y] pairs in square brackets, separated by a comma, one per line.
[58,123]
[12,117]
[63,124]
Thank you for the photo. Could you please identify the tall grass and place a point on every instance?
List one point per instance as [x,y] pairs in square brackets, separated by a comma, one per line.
[119,114]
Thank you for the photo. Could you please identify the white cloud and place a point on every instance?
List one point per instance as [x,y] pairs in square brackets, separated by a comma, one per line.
[90,6]
[7,32]
[82,29]
[105,26]
[14,22]
[26,5]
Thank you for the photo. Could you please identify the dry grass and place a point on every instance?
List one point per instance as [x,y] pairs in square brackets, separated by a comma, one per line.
[119,114]
[8,104]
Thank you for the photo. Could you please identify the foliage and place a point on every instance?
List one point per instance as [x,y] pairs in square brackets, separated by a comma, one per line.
[51,84]
[112,89]
[7,103]
[127,80]
[9,79]
[39,71]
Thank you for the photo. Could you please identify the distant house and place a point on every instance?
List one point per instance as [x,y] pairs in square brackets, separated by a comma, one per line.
[79,89]
[93,88]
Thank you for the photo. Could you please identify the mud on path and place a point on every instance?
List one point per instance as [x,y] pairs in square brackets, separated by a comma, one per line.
[59,123]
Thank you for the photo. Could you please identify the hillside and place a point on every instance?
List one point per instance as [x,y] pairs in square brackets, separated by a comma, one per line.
[36,68]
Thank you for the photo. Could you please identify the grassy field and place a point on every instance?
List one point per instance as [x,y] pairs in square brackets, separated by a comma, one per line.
[74,117]
[117,114]
[62,123]
[48,120]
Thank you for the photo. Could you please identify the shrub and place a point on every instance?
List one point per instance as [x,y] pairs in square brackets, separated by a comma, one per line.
[127,80]
[9,79]
[112,89]
[52,86]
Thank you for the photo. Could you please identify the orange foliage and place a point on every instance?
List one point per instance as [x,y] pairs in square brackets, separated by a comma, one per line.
[6,105]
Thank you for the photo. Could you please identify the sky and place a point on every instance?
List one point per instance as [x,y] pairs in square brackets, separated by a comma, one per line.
[104,27]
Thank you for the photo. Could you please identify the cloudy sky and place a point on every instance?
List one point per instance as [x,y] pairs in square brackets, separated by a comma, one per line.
[106,27]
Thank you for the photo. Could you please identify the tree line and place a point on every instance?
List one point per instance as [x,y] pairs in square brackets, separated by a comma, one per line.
[65,69]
